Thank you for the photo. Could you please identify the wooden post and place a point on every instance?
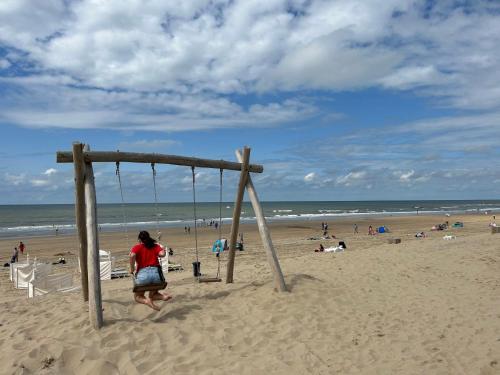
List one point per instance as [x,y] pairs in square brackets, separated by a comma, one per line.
[79,166]
[272,258]
[95,300]
[236,214]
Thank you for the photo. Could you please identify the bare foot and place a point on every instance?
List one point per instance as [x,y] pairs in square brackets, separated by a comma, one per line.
[166,297]
[157,296]
[151,304]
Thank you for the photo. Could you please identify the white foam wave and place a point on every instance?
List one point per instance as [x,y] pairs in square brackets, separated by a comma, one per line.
[277,215]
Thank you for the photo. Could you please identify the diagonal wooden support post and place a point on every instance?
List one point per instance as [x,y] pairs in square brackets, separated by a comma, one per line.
[236,214]
[265,235]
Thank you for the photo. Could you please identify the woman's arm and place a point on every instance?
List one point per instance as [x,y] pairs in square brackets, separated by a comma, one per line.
[162,252]
[132,263]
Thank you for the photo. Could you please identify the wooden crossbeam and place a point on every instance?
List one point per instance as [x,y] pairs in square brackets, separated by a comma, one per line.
[134,157]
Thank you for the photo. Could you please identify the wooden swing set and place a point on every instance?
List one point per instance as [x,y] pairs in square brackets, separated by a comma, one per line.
[86,212]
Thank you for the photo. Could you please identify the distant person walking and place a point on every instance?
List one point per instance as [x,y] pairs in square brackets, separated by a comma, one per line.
[21,247]
[15,256]
[355,228]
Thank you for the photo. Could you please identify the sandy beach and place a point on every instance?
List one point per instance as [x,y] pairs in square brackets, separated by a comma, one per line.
[424,306]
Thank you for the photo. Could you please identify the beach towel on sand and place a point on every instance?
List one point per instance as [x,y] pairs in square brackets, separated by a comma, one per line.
[333,249]
[220,245]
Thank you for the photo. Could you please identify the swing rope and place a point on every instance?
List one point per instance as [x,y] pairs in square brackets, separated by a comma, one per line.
[195,219]
[158,233]
[196,229]
[123,202]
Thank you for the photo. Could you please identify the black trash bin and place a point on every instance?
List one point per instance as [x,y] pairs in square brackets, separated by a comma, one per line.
[196,269]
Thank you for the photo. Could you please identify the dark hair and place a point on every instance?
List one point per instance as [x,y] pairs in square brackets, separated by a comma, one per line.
[146,239]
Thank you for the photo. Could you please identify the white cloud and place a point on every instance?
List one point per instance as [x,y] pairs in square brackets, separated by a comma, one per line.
[199,177]
[15,180]
[158,46]
[411,177]
[154,144]
[50,172]
[4,64]
[405,177]
[351,178]
[159,66]
[412,76]
[310,177]
[40,183]
[311,66]
[80,109]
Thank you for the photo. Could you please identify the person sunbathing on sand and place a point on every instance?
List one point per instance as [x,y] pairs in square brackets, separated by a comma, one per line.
[145,254]
[321,249]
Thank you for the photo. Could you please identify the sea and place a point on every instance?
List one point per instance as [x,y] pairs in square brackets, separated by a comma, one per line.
[51,219]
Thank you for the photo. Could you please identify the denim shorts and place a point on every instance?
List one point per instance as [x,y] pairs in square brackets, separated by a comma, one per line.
[147,275]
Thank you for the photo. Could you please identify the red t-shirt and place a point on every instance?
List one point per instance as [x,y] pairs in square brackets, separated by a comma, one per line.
[145,257]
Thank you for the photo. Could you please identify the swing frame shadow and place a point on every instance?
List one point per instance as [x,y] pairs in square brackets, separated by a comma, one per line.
[86,212]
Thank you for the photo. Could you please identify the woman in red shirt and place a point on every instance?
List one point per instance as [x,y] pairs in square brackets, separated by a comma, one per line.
[145,254]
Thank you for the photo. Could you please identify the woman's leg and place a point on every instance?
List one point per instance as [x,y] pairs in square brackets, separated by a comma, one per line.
[141,298]
[158,296]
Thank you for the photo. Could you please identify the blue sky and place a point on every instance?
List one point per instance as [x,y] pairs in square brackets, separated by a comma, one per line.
[339,100]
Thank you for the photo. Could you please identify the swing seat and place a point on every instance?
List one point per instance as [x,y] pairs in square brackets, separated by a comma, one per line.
[151,287]
[209,280]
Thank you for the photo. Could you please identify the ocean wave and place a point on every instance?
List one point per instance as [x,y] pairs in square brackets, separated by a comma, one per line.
[271,215]
[36,228]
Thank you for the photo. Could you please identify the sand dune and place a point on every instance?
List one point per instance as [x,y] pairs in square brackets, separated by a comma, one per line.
[425,306]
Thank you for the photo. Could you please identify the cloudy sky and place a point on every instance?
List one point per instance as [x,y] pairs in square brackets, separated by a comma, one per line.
[339,100]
